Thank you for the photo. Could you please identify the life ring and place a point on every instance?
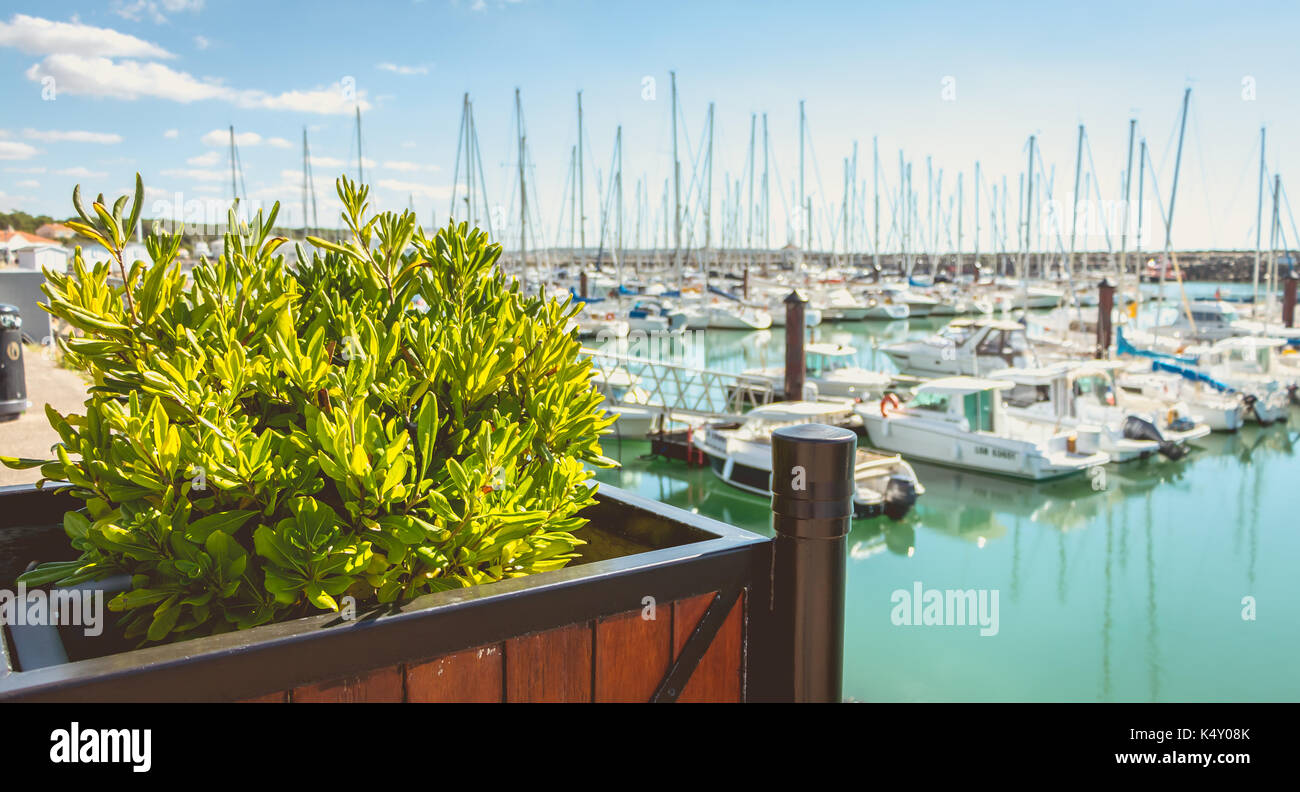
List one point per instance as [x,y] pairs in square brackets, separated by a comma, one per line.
[609,316]
[888,399]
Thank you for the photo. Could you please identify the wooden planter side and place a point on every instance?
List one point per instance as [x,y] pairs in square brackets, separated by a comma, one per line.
[575,634]
[625,658]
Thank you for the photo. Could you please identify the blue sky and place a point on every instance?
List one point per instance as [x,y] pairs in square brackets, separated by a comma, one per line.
[139,84]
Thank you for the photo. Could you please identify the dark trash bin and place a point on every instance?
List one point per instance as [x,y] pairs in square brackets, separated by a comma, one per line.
[13,379]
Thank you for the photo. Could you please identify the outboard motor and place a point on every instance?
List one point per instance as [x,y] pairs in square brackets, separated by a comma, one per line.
[1250,400]
[1136,428]
[900,494]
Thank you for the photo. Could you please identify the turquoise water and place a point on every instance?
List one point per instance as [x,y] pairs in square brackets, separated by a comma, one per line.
[1127,589]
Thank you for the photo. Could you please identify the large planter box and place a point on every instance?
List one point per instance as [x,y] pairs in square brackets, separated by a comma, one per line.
[665,605]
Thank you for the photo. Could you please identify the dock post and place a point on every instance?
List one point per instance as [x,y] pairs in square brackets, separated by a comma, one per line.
[795,370]
[1288,299]
[1105,302]
[746,284]
[582,284]
[812,506]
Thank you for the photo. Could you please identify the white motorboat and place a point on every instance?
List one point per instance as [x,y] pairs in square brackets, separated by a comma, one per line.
[653,315]
[1083,395]
[1222,412]
[881,306]
[965,346]
[741,455]
[839,305]
[961,422]
[634,415]
[595,320]
[737,316]
[833,369]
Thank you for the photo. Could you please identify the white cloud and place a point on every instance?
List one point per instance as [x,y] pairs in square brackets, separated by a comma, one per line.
[43,37]
[71,136]
[221,137]
[335,163]
[415,188]
[29,183]
[401,166]
[172,134]
[405,71]
[102,77]
[157,10]
[37,169]
[81,173]
[13,150]
[205,160]
[197,174]
[202,42]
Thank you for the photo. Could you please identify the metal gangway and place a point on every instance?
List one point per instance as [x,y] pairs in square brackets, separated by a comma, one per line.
[683,393]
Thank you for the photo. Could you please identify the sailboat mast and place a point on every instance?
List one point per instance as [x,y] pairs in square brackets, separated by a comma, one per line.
[1128,188]
[875,203]
[360,174]
[1259,216]
[304,183]
[1074,205]
[234,190]
[1173,196]
[806,229]
[582,207]
[523,196]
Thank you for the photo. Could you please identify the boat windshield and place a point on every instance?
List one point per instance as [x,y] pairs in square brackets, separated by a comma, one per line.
[956,335]
[1095,387]
[930,400]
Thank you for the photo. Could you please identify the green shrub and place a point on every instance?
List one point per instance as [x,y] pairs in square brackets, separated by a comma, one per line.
[260,440]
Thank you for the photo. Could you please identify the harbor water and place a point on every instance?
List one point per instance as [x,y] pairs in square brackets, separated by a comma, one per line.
[1149,581]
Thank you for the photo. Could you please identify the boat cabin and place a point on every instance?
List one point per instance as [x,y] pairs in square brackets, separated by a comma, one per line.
[970,402]
[1062,390]
[823,358]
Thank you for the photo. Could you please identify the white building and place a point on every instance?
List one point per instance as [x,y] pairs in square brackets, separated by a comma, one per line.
[52,257]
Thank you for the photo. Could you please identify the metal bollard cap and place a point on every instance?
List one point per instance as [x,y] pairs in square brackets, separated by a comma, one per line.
[812,477]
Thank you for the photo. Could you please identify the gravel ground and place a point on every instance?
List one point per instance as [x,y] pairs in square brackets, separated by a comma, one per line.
[31,435]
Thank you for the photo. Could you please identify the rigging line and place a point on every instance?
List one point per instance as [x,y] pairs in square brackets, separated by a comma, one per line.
[1244,171]
[1096,190]
[1200,161]
[1286,201]
[821,191]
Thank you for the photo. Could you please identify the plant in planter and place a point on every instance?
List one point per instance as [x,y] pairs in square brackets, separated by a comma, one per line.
[261,440]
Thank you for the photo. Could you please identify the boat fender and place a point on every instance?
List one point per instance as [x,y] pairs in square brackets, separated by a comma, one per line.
[888,402]
[900,494]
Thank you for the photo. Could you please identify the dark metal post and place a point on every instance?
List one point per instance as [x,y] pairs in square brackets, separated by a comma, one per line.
[1105,302]
[13,378]
[1288,299]
[812,505]
[746,283]
[582,284]
[795,370]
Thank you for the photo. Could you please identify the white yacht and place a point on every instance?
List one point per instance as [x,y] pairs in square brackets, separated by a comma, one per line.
[1083,396]
[839,305]
[961,422]
[882,306]
[1221,411]
[833,369]
[741,455]
[738,316]
[596,319]
[965,346]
